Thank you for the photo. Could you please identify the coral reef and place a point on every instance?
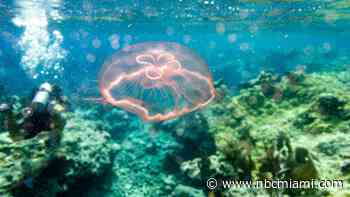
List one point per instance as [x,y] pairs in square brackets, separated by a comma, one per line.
[138,167]
[149,159]
[293,127]
[38,167]
[289,127]
[22,160]
[186,191]
[116,121]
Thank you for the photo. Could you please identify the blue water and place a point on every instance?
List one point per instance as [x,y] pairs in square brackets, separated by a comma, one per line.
[236,39]
[66,42]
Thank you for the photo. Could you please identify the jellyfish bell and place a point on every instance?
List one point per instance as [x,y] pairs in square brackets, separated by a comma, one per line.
[156,80]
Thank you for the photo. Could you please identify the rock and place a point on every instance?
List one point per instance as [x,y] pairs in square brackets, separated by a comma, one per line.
[151,148]
[214,166]
[186,191]
[263,78]
[303,167]
[192,137]
[192,168]
[331,105]
[345,167]
[296,77]
[329,148]
[253,99]
[219,166]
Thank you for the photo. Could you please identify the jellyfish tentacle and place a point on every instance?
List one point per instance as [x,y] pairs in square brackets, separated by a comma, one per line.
[173,86]
[189,80]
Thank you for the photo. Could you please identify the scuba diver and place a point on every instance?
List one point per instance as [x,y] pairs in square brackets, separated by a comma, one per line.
[44,113]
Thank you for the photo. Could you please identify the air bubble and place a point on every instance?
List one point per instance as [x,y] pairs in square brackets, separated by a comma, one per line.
[91,58]
[96,43]
[244,46]
[114,41]
[232,38]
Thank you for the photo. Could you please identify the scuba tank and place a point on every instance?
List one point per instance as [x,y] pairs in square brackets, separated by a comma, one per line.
[42,97]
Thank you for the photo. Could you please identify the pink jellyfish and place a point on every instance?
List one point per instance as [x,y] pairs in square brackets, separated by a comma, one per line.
[156,80]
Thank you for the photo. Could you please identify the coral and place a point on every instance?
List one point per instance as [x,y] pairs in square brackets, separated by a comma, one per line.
[218,167]
[330,105]
[237,153]
[295,126]
[22,160]
[191,133]
[185,191]
[137,171]
[281,127]
[90,150]
[83,151]
[192,169]
[150,154]
[117,122]
[345,167]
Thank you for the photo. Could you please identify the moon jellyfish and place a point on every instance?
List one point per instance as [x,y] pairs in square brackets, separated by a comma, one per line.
[156,80]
